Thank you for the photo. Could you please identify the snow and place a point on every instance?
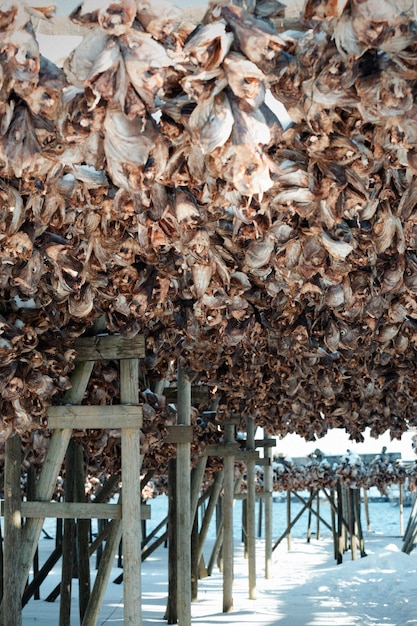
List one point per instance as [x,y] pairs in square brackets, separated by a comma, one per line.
[307,587]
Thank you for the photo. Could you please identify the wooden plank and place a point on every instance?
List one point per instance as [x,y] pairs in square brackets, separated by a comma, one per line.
[86,416]
[264,462]
[268,487]
[131,501]
[247,456]
[221,449]
[12,605]
[200,394]
[50,469]
[265,443]
[77,510]
[179,433]
[183,505]
[103,575]
[106,347]
[228,491]
[251,536]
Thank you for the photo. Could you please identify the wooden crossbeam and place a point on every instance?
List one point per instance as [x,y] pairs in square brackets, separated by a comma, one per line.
[221,449]
[76,510]
[86,416]
[179,433]
[109,347]
[199,394]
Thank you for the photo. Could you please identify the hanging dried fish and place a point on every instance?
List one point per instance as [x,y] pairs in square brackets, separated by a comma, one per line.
[257,38]
[211,122]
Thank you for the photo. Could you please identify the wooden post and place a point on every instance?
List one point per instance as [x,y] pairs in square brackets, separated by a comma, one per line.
[318,515]
[103,574]
[171,613]
[352,523]
[83,528]
[196,479]
[68,542]
[131,500]
[333,519]
[228,570]
[12,604]
[366,504]
[183,504]
[245,526]
[340,524]
[251,525]
[51,466]
[30,490]
[268,488]
[309,522]
[260,516]
[289,520]
[401,507]
[208,513]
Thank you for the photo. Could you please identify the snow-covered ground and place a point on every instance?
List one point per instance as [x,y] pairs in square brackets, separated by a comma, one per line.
[307,588]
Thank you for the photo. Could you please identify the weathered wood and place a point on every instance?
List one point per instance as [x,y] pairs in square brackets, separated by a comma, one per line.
[340,542]
[171,613]
[50,562]
[131,501]
[200,394]
[77,510]
[12,605]
[197,476]
[98,541]
[103,574]
[30,490]
[82,417]
[208,513]
[228,489]
[153,532]
[268,487]
[251,526]
[221,449]
[267,442]
[68,541]
[183,504]
[83,527]
[106,347]
[294,521]
[288,520]
[179,433]
[401,508]
[50,469]
[366,505]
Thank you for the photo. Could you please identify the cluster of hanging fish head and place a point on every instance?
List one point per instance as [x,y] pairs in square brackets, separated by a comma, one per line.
[150,181]
[349,470]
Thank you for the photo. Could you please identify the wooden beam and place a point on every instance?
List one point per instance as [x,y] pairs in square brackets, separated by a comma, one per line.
[103,575]
[179,433]
[50,469]
[268,487]
[12,605]
[183,505]
[131,501]
[87,416]
[77,510]
[109,347]
[251,536]
[200,394]
[221,449]
[228,497]
[265,443]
